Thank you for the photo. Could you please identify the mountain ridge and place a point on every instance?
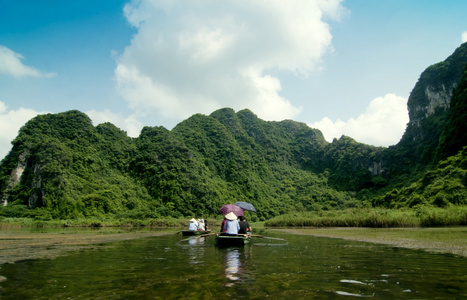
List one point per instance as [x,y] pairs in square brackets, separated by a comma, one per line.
[61,166]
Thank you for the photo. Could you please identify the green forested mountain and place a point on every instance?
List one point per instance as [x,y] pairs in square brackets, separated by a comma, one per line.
[61,166]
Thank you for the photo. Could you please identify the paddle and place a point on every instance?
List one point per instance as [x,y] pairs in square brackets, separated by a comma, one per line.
[207,234]
[264,237]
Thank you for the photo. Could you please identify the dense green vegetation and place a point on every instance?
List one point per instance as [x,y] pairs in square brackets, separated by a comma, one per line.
[74,170]
[63,167]
[439,186]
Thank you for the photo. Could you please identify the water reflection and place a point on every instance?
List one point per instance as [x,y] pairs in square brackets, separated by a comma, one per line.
[194,241]
[168,267]
[233,266]
[234,259]
[196,250]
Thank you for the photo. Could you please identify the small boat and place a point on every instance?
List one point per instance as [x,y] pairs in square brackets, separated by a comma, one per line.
[195,232]
[232,240]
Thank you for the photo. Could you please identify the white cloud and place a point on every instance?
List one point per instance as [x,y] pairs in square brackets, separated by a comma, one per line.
[189,56]
[10,123]
[130,124]
[11,64]
[464,37]
[382,124]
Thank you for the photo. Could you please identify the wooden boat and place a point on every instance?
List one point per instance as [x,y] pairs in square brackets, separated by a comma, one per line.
[195,232]
[232,240]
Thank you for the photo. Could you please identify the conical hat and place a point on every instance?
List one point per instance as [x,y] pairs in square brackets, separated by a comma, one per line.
[231,216]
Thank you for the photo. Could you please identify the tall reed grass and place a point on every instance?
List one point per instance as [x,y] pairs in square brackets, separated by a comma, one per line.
[424,216]
[15,223]
[435,216]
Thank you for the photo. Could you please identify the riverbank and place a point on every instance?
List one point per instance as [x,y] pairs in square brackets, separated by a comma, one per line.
[452,240]
[22,245]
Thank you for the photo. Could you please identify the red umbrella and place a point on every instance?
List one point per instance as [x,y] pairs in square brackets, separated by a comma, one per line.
[231,208]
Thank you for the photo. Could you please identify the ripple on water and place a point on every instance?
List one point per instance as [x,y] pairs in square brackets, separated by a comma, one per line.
[354,294]
[353,281]
[350,282]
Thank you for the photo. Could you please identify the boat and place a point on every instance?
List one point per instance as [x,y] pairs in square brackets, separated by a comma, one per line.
[232,240]
[195,232]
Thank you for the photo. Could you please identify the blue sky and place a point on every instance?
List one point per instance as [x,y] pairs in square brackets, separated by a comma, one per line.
[345,67]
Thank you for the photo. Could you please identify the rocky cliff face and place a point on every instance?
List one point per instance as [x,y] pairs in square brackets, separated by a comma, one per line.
[15,176]
[433,91]
[437,98]
[428,106]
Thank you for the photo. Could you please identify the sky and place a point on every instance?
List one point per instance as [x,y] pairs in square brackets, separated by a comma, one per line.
[344,67]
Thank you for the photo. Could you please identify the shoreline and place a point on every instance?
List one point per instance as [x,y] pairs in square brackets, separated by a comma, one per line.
[447,240]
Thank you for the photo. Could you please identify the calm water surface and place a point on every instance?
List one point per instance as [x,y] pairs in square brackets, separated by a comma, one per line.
[171,267]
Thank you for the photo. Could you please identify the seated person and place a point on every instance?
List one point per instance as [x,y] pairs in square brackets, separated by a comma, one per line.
[244,226]
[193,226]
[231,226]
[223,224]
[201,226]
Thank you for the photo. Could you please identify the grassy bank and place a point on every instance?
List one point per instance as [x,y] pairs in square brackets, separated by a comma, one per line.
[11,223]
[424,216]
[421,216]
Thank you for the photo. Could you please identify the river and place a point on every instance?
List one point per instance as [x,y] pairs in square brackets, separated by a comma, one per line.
[301,267]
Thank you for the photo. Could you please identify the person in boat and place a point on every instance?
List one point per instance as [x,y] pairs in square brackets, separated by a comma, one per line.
[193,226]
[201,225]
[231,226]
[244,226]
[223,224]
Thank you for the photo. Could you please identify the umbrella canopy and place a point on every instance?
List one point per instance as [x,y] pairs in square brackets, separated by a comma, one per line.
[231,208]
[245,206]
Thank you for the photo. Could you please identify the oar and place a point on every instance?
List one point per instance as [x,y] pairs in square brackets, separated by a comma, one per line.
[207,234]
[265,237]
